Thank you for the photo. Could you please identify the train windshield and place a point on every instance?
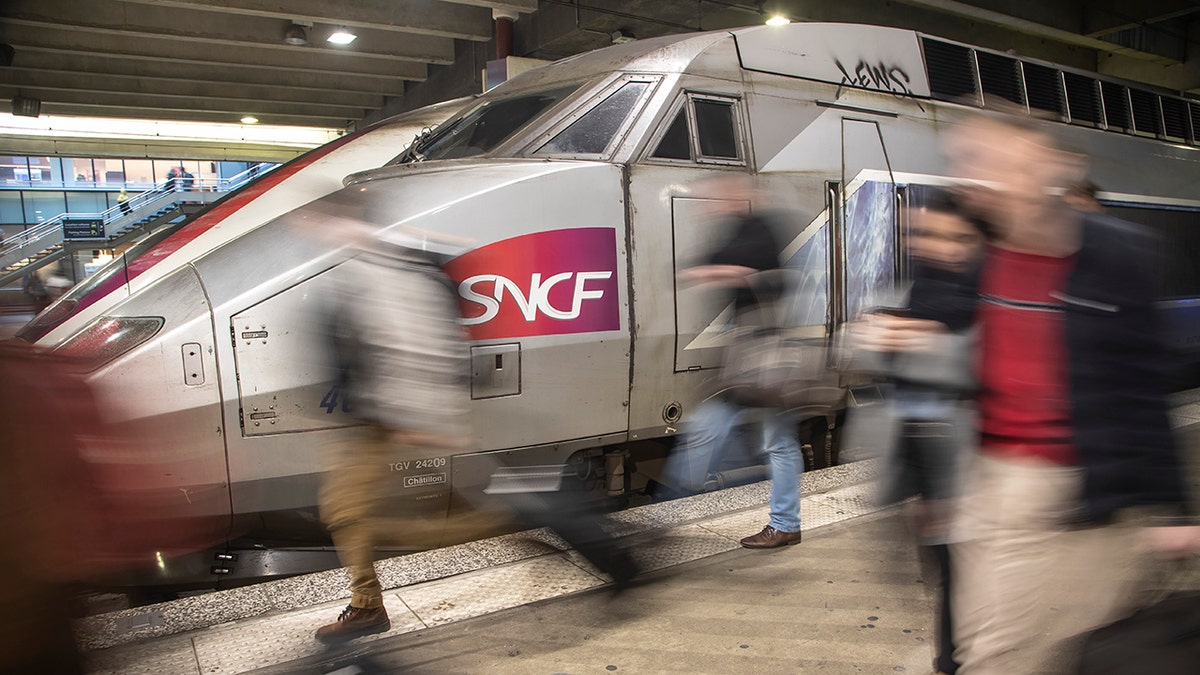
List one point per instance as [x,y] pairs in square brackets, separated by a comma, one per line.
[485,127]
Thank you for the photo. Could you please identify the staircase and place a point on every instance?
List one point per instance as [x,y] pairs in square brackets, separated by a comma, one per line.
[129,221]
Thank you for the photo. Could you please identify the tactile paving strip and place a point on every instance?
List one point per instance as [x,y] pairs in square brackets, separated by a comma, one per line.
[166,656]
[494,589]
[270,640]
[680,545]
[541,571]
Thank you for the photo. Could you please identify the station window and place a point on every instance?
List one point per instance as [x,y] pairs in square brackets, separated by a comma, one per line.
[41,206]
[78,171]
[14,169]
[705,129]
[596,130]
[11,208]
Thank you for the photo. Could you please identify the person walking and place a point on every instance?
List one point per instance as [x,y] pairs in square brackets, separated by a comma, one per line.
[123,201]
[1075,439]
[751,250]
[401,365]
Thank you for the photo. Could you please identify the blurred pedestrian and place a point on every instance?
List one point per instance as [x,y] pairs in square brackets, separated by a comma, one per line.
[36,293]
[48,510]
[738,266]
[1082,197]
[123,201]
[1072,407]
[402,367]
[922,350]
[174,178]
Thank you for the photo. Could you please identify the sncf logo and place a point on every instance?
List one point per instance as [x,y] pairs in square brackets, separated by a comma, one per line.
[538,299]
[545,283]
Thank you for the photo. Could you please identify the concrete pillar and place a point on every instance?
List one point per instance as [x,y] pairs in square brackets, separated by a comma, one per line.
[504,31]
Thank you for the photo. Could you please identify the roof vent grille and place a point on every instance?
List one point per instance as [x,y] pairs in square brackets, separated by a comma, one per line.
[951,71]
[1044,87]
[1083,100]
[1175,119]
[1116,106]
[1146,118]
[1000,76]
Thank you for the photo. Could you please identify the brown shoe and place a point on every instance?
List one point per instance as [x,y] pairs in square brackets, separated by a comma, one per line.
[354,622]
[771,538]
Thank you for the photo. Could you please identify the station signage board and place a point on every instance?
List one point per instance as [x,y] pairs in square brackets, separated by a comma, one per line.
[83,228]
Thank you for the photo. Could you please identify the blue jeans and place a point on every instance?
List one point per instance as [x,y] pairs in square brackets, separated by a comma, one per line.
[707,439]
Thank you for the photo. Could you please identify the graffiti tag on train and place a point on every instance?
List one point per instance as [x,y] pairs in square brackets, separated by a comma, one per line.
[880,76]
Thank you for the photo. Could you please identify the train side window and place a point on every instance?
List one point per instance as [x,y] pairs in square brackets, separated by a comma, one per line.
[705,129]
[716,128]
[676,142]
[594,132]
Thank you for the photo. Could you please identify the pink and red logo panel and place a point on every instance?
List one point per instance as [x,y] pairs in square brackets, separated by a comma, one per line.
[545,283]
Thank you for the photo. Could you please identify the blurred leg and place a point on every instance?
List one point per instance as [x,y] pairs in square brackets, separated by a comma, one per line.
[1025,583]
[787,467]
[349,498]
[705,437]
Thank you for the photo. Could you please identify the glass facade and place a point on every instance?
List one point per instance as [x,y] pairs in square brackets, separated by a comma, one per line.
[36,189]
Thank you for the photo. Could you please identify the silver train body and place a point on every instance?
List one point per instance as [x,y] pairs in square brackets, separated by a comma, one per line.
[569,198]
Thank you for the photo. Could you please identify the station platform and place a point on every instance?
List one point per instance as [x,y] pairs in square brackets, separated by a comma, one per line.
[853,597]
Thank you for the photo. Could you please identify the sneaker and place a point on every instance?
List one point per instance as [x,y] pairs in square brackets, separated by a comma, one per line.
[771,538]
[354,622]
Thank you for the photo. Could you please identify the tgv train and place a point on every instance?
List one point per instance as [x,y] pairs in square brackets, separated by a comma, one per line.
[566,201]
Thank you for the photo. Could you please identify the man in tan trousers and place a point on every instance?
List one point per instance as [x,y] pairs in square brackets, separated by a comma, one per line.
[402,369]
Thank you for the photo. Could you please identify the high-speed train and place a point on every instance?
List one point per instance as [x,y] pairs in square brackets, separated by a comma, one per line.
[567,200]
[314,174]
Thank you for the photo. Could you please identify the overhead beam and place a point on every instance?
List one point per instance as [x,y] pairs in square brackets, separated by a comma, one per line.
[187,71]
[218,91]
[113,44]
[182,105]
[189,115]
[419,17]
[1101,17]
[522,6]
[215,30]
[151,149]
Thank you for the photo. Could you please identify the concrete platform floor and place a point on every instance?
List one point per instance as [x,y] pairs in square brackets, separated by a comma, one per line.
[850,599]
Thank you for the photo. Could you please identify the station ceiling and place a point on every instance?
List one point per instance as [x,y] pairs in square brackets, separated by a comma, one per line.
[220,60]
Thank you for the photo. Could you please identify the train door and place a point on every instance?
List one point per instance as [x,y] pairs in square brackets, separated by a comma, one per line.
[866,230]
[674,222]
[286,393]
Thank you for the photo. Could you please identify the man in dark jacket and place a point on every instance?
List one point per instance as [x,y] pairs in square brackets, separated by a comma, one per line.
[738,265]
[1073,418]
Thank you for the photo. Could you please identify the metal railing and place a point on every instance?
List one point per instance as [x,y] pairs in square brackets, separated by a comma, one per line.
[48,233]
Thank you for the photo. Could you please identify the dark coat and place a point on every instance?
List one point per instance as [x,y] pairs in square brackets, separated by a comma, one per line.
[1119,372]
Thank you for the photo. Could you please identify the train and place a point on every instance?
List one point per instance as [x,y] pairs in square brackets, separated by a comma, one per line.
[564,203]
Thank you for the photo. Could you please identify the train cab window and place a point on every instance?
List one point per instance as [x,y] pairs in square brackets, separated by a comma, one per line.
[715,126]
[485,127]
[676,142]
[705,129]
[598,128]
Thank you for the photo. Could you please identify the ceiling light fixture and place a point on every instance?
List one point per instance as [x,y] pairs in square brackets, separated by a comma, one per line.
[249,119]
[778,20]
[295,36]
[342,36]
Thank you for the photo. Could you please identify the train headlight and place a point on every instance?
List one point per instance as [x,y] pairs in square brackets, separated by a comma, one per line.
[109,337]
